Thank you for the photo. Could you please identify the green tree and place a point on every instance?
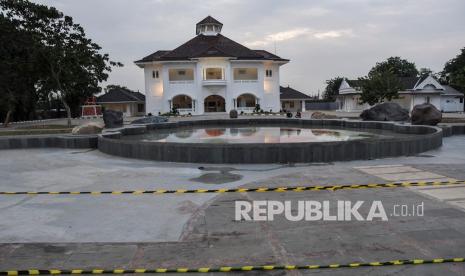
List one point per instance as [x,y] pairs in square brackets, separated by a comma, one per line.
[397,66]
[332,89]
[114,86]
[425,71]
[73,64]
[20,71]
[454,72]
[382,82]
[379,86]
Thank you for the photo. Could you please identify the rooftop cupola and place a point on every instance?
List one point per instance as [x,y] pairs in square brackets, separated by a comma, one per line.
[208,26]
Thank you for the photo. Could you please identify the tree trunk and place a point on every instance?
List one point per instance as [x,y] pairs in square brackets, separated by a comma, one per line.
[68,111]
[62,97]
[7,118]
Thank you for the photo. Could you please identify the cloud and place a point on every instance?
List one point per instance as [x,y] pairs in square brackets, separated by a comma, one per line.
[286,35]
[333,34]
[299,32]
[276,37]
[315,35]
[315,11]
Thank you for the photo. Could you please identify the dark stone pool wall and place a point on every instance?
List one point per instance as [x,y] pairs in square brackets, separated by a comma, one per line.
[423,138]
[449,130]
[49,141]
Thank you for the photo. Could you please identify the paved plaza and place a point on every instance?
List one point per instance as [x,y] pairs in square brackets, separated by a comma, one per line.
[195,230]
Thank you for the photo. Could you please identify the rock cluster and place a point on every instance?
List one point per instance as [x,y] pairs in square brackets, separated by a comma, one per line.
[426,114]
[112,118]
[322,115]
[385,112]
[88,128]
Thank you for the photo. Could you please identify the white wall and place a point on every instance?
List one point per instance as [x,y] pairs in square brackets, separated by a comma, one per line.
[153,90]
[286,105]
[160,91]
[238,87]
[271,89]
[434,99]
[350,103]
[174,88]
[205,91]
[451,104]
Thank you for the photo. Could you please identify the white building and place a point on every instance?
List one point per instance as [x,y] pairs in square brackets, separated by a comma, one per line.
[451,100]
[211,73]
[417,90]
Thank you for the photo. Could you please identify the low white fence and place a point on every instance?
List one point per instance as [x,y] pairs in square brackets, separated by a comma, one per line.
[184,111]
[245,109]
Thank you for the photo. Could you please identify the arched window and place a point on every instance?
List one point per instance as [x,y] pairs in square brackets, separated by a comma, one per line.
[246,100]
[214,103]
[181,102]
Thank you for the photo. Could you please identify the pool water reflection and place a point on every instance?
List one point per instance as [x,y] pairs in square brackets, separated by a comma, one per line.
[238,135]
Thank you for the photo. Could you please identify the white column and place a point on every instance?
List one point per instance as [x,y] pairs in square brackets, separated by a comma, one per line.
[303,105]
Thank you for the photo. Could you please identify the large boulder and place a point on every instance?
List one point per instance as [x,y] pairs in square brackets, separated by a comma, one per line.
[150,120]
[321,115]
[385,112]
[88,128]
[426,114]
[112,118]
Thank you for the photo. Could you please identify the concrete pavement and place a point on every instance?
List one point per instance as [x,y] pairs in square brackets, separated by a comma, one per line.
[199,229]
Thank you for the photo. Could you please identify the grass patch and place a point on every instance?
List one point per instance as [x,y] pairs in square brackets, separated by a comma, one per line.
[34,131]
[44,127]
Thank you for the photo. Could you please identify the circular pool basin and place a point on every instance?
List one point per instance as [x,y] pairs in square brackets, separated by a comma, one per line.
[277,140]
[249,134]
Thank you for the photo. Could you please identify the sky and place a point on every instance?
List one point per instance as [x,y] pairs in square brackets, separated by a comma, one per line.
[323,39]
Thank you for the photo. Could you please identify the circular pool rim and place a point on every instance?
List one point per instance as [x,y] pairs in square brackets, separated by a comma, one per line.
[249,134]
[421,139]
